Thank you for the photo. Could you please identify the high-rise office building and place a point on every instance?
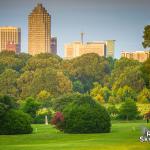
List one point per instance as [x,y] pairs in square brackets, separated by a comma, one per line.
[110,48]
[54,45]
[141,56]
[10,39]
[39,31]
[102,48]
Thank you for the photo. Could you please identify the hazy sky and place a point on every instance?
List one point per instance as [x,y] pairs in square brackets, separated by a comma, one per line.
[120,20]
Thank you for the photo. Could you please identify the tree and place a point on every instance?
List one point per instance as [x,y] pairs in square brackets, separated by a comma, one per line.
[53,81]
[86,116]
[126,72]
[113,111]
[88,68]
[31,106]
[10,60]
[43,61]
[126,92]
[61,102]
[146,37]
[58,120]
[45,98]
[7,103]
[132,77]
[8,82]
[144,96]
[99,93]
[78,86]
[24,84]
[145,68]
[128,110]
[40,115]
[15,122]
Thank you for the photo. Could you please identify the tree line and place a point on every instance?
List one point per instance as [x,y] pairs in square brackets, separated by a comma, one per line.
[105,79]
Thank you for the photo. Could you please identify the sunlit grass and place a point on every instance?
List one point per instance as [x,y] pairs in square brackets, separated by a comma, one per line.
[124,136]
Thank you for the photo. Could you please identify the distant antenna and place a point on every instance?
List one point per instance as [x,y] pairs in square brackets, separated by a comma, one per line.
[82,34]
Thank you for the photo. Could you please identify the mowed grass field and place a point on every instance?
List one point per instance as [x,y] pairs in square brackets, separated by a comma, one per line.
[124,136]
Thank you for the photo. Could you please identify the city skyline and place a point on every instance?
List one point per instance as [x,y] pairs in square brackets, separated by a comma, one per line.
[122,21]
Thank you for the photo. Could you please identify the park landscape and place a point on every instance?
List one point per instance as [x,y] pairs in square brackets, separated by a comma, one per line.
[90,102]
[71,105]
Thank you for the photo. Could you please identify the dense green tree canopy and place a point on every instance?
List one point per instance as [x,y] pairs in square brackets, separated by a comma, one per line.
[128,110]
[22,75]
[146,37]
[8,82]
[127,72]
[41,61]
[88,68]
[145,68]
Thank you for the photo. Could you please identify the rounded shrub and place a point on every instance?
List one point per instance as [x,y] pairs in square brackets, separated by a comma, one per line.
[61,102]
[86,116]
[15,122]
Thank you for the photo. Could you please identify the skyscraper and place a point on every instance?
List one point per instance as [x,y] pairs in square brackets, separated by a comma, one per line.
[39,31]
[54,45]
[10,39]
[110,46]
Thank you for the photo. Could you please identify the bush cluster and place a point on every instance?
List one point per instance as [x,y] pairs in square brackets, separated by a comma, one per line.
[12,120]
[85,115]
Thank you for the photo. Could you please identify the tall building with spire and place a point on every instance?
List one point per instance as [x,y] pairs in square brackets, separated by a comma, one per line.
[39,31]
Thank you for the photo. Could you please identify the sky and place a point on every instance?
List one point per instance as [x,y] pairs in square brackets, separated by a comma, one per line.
[120,20]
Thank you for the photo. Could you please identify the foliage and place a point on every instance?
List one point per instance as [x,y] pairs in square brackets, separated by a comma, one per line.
[58,120]
[40,116]
[127,77]
[43,61]
[31,106]
[88,68]
[86,116]
[143,108]
[78,86]
[6,103]
[124,93]
[144,96]
[24,84]
[128,110]
[146,37]
[15,122]
[147,115]
[10,60]
[61,102]
[127,72]
[46,77]
[45,98]
[99,93]
[8,82]
[113,111]
[52,81]
[145,68]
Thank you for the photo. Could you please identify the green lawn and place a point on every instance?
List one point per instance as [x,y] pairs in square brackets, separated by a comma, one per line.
[124,136]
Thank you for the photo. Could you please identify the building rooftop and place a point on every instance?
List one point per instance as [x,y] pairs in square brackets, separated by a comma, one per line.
[39,9]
